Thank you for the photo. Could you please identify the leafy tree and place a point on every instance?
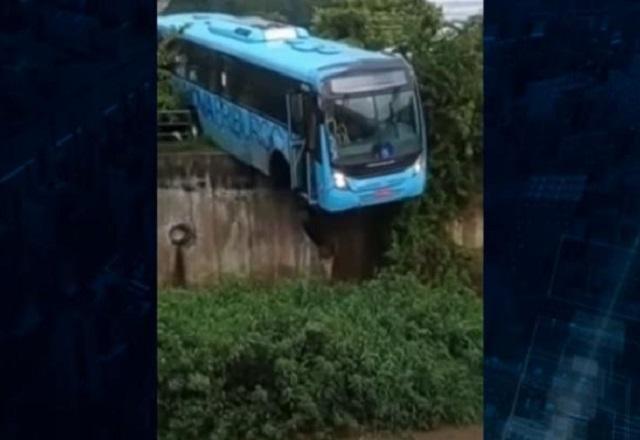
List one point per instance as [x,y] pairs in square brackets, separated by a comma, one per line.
[166,98]
[450,69]
[377,24]
[294,11]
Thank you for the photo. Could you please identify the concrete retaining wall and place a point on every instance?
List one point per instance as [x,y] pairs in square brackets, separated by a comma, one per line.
[235,224]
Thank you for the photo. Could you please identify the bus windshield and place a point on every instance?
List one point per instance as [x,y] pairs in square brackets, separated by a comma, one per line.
[373,128]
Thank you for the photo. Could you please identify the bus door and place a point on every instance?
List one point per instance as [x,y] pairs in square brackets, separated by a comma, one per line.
[303,148]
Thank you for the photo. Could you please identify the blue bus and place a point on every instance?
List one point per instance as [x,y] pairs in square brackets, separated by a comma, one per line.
[341,126]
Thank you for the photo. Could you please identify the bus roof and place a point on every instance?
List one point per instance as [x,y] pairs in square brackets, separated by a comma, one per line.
[289,50]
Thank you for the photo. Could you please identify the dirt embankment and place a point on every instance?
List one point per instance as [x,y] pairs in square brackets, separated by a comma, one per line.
[467,433]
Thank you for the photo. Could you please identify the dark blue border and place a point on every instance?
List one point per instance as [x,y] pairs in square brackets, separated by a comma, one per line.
[77,220]
[562,213]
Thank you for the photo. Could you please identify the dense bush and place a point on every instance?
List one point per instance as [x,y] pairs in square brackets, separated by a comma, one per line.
[246,361]
[167,99]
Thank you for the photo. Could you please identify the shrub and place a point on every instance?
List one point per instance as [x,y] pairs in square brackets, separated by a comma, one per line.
[242,361]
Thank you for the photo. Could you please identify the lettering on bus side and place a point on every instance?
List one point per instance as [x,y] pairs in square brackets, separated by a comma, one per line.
[241,123]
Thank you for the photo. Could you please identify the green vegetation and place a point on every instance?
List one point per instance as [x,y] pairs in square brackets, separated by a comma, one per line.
[450,71]
[167,100]
[244,361]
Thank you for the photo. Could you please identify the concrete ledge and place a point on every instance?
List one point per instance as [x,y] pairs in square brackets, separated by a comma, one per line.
[192,170]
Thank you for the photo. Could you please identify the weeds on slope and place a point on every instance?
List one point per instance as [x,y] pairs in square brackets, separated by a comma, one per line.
[243,361]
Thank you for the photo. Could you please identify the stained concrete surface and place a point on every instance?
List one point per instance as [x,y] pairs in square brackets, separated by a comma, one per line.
[238,225]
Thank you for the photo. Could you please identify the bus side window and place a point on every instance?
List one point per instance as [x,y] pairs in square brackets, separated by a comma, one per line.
[214,78]
[180,66]
[297,109]
[179,58]
[266,95]
[274,95]
[253,87]
[279,100]
[195,65]
[183,59]
[226,73]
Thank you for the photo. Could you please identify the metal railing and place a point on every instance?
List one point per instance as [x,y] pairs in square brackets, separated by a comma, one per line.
[175,126]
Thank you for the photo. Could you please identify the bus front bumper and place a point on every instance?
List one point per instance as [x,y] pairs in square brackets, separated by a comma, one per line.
[372,191]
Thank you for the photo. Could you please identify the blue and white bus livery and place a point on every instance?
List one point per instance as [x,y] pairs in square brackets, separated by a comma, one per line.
[341,126]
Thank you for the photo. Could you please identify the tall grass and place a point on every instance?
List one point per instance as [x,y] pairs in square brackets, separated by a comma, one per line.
[243,361]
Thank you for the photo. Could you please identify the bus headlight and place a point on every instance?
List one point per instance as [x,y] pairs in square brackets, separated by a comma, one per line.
[340,180]
[419,165]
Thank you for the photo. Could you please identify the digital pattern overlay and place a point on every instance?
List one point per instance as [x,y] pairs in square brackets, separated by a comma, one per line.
[77,219]
[562,212]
